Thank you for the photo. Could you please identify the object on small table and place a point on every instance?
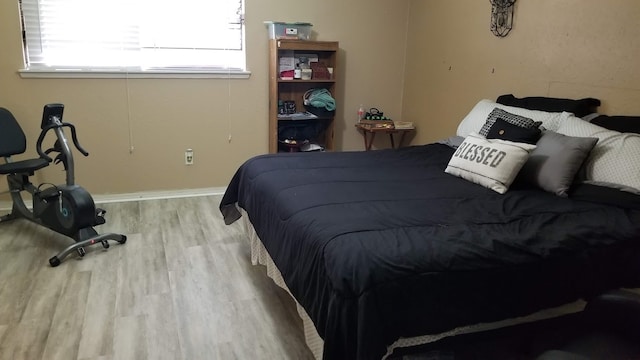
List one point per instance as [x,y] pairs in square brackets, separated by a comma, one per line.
[403,125]
[368,140]
[376,124]
[375,114]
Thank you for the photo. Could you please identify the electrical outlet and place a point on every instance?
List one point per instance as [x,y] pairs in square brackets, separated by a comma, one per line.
[188,157]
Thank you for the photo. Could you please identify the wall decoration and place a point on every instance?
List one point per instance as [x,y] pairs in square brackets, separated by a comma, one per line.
[501,17]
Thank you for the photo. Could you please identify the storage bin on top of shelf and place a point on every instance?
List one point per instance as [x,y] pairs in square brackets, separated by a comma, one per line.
[284,30]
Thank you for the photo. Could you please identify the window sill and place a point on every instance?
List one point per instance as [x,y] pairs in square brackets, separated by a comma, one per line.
[131,74]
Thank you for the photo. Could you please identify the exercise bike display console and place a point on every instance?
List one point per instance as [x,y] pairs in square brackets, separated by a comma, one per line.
[67,209]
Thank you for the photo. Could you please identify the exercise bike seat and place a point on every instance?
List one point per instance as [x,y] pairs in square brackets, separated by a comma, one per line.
[23,166]
[13,142]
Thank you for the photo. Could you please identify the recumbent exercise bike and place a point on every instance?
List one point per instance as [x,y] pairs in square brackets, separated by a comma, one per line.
[67,209]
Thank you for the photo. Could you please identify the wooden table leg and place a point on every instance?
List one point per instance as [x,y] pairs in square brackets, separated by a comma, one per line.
[369,142]
[393,145]
[402,133]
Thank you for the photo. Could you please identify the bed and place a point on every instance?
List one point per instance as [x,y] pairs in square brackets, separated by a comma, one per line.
[384,245]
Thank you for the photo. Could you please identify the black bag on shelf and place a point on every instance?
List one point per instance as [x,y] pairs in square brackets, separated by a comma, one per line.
[300,130]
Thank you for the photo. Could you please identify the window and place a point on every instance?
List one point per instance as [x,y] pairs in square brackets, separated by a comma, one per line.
[135,35]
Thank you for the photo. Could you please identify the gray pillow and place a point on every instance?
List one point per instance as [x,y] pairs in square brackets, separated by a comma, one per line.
[555,162]
[452,141]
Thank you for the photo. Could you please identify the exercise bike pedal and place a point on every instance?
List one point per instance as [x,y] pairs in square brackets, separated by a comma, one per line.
[81,251]
[100,216]
[105,244]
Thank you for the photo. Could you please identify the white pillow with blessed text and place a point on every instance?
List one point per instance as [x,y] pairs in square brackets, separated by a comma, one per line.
[492,163]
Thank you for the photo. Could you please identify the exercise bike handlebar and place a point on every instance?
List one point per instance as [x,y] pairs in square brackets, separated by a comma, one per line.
[74,137]
[62,146]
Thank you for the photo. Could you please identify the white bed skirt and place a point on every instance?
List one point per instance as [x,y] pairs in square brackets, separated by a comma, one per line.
[259,255]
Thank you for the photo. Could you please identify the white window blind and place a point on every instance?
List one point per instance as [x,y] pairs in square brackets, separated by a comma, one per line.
[134,34]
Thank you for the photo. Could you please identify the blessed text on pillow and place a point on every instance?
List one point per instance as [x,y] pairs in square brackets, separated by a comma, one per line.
[490,163]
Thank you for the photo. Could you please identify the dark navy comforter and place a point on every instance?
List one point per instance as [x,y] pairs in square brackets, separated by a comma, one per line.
[384,244]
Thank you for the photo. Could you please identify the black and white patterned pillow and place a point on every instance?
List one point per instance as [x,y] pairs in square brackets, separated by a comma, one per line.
[508,117]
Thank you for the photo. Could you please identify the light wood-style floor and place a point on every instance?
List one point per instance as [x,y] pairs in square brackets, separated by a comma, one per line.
[182,287]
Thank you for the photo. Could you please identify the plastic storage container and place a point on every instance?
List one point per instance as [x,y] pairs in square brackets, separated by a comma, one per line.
[283,30]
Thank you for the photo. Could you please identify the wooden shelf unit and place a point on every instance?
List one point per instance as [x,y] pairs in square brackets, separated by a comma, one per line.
[293,90]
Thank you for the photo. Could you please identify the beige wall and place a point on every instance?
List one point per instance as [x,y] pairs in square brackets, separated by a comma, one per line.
[160,118]
[572,48]
[569,48]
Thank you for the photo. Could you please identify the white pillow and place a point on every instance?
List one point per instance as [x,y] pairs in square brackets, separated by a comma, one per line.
[492,163]
[475,119]
[614,160]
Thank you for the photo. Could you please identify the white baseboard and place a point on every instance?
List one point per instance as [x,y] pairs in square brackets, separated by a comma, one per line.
[143,195]
[156,195]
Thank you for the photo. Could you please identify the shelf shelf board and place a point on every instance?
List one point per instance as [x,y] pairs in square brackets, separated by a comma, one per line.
[303,45]
[307,81]
[317,118]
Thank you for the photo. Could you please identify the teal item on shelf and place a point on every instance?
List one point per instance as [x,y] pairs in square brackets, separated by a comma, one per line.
[319,98]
